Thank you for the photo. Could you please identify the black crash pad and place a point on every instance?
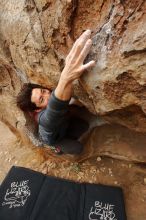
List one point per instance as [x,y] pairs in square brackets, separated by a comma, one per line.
[30,195]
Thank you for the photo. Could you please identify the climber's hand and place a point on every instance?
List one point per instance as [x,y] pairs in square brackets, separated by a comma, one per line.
[74,66]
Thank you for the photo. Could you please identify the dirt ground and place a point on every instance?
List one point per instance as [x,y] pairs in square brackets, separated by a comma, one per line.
[105,170]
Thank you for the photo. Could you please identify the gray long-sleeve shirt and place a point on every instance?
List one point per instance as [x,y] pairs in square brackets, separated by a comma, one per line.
[53,121]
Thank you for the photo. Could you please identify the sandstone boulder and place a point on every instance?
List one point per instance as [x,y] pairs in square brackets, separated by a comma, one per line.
[36,36]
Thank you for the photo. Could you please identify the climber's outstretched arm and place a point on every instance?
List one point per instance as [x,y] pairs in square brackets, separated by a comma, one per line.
[74,66]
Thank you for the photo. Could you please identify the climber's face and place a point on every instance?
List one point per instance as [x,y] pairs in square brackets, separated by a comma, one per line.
[40,97]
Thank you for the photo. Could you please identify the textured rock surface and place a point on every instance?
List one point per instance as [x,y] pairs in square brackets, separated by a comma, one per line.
[118,80]
[36,36]
[115,141]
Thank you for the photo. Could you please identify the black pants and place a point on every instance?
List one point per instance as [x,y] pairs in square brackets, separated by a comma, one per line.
[79,120]
[70,143]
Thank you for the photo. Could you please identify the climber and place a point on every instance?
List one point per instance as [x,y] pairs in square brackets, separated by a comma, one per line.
[56,126]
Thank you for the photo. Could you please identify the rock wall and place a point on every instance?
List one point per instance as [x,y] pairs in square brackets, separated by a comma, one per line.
[36,36]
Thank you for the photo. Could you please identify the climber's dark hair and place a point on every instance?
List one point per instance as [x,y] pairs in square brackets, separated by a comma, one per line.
[23,99]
